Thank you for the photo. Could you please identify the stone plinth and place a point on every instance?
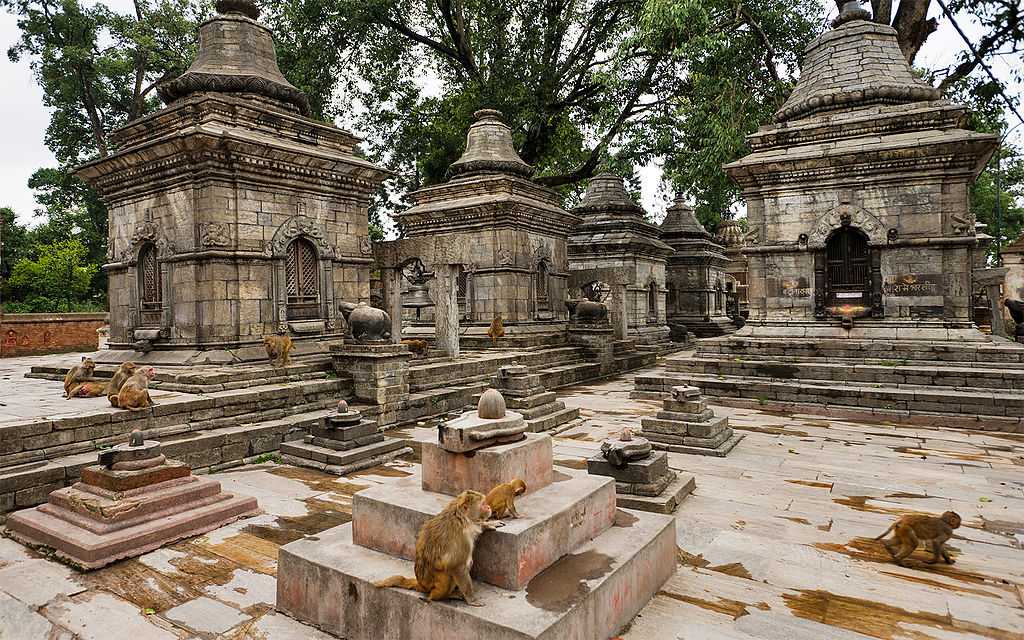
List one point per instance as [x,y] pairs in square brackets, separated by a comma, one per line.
[599,341]
[450,473]
[525,395]
[343,442]
[469,431]
[686,425]
[379,372]
[554,520]
[642,477]
[113,514]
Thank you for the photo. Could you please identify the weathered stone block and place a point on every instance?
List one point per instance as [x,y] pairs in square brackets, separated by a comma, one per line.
[451,473]
[645,470]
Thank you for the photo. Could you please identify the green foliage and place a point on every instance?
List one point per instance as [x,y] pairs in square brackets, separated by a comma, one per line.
[58,280]
[16,241]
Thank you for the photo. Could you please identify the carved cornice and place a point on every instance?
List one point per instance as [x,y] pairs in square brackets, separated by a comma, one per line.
[294,227]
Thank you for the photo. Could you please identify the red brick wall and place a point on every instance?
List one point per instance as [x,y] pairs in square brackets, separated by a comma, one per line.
[27,334]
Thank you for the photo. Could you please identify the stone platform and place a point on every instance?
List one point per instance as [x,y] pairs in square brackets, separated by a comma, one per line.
[590,593]
[686,425]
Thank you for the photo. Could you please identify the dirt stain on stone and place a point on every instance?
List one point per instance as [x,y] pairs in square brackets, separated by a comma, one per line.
[690,560]
[249,551]
[202,567]
[142,586]
[732,608]
[774,431]
[564,583]
[880,620]
[623,519]
[811,483]
[939,584]
[316,480]
[572,463]
[383,471]
[860,503]
[795,519]
[577,436]
[322,515]
[734,569]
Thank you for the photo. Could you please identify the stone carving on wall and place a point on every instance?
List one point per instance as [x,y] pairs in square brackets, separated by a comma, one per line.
[846,215]
[751,238]
[505,258]
[365,247]
[300,225]
[962,225]
[215,234]
[144,233]
[541,252]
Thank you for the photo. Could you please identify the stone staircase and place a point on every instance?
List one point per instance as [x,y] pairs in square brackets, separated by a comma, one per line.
[969,385]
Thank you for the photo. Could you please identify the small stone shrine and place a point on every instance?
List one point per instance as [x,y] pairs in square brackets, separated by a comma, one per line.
[133,501]
[696,274]
[729,235]
[642,478]
[524,394]
[233,213]
[614,236]
[519,570]
[686,425]
[343,442]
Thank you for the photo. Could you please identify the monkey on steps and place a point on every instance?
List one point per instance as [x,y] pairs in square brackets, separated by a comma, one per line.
[910,531]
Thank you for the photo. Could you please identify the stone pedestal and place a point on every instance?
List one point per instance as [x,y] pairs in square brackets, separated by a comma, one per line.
[133,501]
[379,372]
[342,443]
[642,477]
[521,571]
[686,425]
[598,340]
[992,280]
[525,395]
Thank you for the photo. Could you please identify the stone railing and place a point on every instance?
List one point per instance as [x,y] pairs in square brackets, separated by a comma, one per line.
[26,334]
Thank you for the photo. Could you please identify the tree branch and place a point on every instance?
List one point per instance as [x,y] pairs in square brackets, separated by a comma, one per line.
[415,36]
[769,49]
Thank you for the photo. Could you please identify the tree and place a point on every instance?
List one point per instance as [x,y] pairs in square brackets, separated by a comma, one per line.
[59,280]
[16,241]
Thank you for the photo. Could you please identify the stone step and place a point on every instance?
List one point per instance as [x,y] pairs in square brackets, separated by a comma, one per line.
[485,364]
[340,458]
[553,420]
[720,451]
[682,486]
[922,374]
[590,593]
[964,408]
[710,428]
[554,521]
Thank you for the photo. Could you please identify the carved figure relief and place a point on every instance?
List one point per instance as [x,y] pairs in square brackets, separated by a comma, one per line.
[365,247]
[846,215]
[215,234]
[296,226]
[505,258]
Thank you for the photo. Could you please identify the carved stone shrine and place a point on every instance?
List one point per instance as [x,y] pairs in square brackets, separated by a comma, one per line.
[642,478]
[686,425]
[524,394]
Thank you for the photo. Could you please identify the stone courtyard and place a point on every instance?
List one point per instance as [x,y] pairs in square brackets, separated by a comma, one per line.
[774,542]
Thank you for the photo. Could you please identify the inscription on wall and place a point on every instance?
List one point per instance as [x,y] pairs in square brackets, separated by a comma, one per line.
[798,287]
[913,285]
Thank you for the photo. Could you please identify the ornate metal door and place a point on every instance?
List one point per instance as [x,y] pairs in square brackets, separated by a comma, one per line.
[302,274]
[848,273]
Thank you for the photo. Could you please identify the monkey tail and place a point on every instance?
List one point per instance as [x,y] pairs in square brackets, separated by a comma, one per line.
[886,532]
[399,581]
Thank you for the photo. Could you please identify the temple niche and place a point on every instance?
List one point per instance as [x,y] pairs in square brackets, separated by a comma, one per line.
[696,279]
[489,242]
[616,252]
[730,236]
[857,197]
[233,214]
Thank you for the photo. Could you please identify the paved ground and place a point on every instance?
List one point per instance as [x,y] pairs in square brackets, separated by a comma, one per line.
[774,543]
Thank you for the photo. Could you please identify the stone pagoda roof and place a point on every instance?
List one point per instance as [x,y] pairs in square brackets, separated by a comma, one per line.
[613,222]
[688,238]
[729,234]
[489,149]
[680,221]
[236,55]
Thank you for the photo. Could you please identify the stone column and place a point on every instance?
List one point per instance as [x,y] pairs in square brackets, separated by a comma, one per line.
[620,311]
[992,280]
[379,372]
[393,304]
[446,308]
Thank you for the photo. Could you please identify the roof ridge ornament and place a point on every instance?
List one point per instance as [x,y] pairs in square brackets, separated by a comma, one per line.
[489,149]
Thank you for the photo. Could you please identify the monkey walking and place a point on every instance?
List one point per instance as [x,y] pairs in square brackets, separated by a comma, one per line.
[134,393]
[910,531]
[124,371]
[444,550]
[278,349]
[502,499]
[77,375]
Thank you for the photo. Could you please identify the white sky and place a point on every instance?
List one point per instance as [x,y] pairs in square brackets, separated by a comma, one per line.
[24,118]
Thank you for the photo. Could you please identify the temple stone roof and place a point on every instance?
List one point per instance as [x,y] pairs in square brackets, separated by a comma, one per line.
[729,234]
[681,221]
[236,55]
[858,63]
[606,193]
[613,222]
[489,149]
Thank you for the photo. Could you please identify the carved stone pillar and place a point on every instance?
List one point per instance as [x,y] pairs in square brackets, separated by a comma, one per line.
[393,302]
[444,294]
[619,311]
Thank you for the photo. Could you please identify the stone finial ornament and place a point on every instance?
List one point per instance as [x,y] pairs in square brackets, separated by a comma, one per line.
[489,149]
[626,435]
[342,406]
[852,10]
[135,438]
[245,7]
[491,405]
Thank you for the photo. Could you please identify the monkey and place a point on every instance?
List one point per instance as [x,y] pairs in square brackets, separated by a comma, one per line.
[497,329]
[502,498]
[134,393]
[89,390]
[124,371]
[444,550]
[278,347]
[418,347]
[81,372]
[911,530]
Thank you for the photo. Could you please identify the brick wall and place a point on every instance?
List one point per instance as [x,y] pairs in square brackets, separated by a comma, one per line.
[25,334]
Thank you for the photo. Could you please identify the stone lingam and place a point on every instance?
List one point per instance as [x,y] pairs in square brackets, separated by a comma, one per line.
[642,477]
[133,501]
[569,535]
[526,395]
[343,442]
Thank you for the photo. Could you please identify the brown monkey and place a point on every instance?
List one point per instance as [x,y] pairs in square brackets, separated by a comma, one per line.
[81,372]
[497,329]
[909,531]
[278,347]
[444,550]
[123,372]
[502,498]
[89,390]
[134,393]
[418,347]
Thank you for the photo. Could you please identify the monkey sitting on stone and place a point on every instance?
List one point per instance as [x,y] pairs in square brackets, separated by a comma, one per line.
[497,329]
[419,348]
[134,393]
[124,371]
[444,550]
[78,374]
[502,499]
[910,531]
[278,347]
[89,390]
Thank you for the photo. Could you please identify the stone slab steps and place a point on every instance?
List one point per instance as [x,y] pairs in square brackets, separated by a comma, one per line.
[598,587]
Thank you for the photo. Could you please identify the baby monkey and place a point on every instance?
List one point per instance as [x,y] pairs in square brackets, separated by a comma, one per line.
[909,531]
[502,499]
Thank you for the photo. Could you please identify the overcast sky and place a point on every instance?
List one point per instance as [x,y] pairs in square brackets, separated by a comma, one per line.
[24,117]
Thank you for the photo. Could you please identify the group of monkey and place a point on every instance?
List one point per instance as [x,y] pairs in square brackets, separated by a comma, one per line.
[128,388]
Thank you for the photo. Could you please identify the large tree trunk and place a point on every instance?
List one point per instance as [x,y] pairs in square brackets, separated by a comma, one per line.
[913,26]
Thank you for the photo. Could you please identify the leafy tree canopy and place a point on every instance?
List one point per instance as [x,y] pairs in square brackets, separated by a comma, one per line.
[59,279]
